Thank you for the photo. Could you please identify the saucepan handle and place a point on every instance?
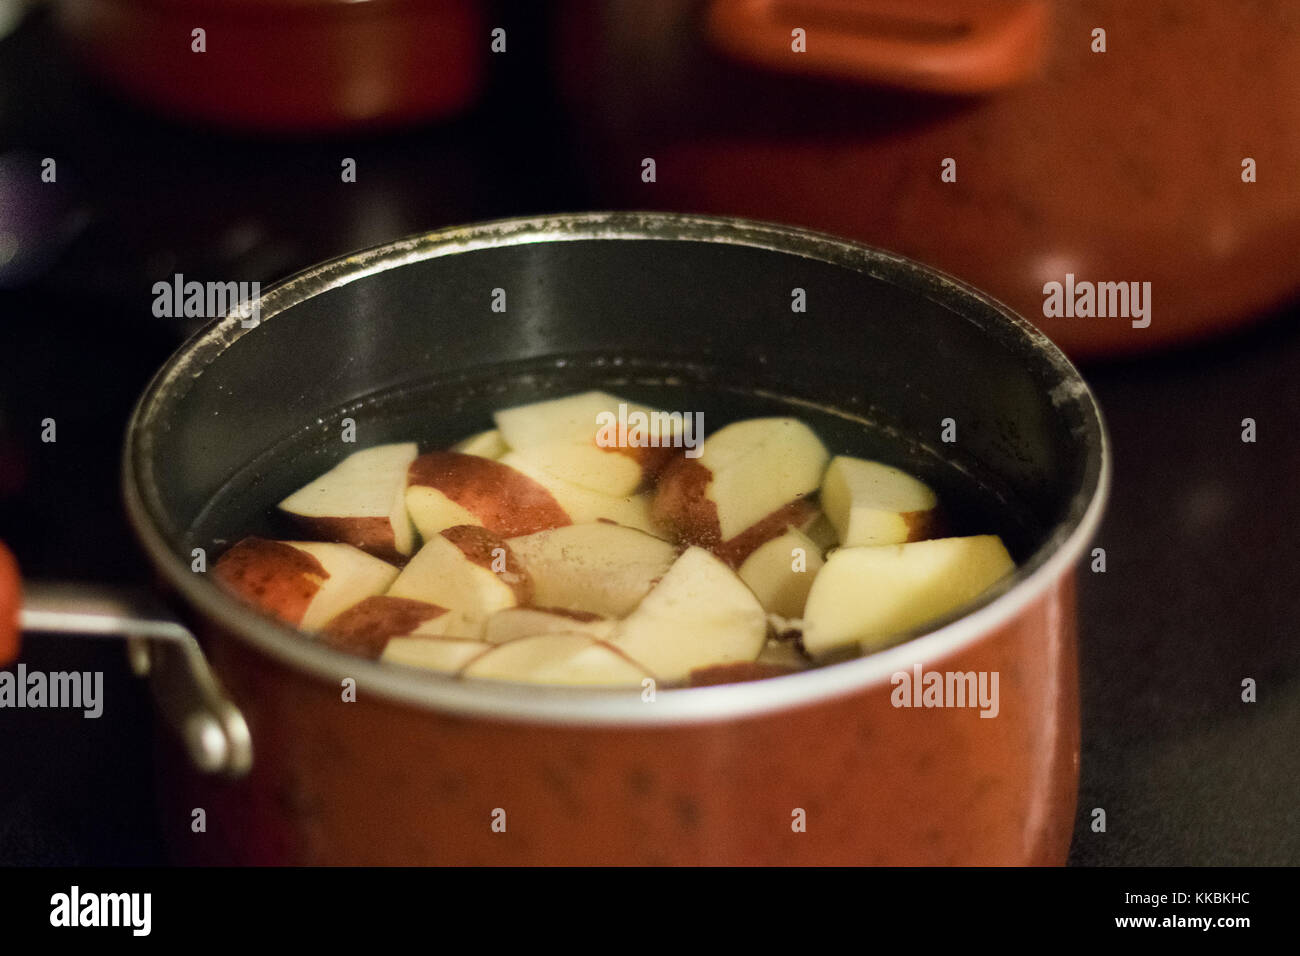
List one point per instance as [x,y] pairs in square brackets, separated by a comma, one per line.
[11,599]
[946,46]
[187,693]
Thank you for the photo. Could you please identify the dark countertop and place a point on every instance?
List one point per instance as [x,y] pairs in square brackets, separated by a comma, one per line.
[1202,590]
[1202,586]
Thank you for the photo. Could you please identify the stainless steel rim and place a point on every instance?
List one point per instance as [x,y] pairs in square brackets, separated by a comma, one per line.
[1055,558]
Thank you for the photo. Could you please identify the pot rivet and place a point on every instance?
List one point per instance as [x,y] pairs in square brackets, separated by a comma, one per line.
[205,741]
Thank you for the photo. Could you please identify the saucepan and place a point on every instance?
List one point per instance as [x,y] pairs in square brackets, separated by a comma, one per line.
[931,126]
[299,754]
[287,66]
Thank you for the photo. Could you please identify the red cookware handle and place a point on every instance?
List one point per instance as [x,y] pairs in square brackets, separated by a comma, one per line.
[11,599]
[948,46]
[186,690]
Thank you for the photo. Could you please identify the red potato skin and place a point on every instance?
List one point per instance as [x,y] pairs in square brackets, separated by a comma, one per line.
[681,506]
[652,459]
[794,515]
[923,525]
[507,502]
[271,575]
[478,544]
[364,628]
[373,535]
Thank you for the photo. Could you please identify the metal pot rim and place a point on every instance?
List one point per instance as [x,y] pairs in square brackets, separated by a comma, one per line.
[1055,558]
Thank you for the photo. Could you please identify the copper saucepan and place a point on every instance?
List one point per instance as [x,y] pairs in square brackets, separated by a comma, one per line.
[1137,164]
[816,767]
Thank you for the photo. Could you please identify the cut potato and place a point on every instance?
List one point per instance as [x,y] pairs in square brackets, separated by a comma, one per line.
[572,659]
[783,654]
[516,622]
[869,503]
[600,568]
[573,419]
[781,572]
[796,514]
[364,628]
[594,440]
[360,501]
[870,596]
[446,655]
[302,583]
[746,487]
[446,489]
[487,444]
[468,570]
[582,505]
[820,530]
[700,613]
[604,470]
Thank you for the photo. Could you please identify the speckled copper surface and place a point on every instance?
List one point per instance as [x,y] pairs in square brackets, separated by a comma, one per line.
[378,783]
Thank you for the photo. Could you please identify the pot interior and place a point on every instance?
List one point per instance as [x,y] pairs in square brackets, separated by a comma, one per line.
[690,314]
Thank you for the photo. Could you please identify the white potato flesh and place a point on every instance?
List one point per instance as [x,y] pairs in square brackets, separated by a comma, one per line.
[870,503]
[700,613]
[869,596]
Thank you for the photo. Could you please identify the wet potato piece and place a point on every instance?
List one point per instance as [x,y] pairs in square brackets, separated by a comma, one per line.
[867,596]
[471,572]
[871,503]
[748,485]
[360,501]
[700,613]
[564,659]
[302,583]
[364,629]
[601,568]
[512,623]
[278,578]
[443,655]
[447,489]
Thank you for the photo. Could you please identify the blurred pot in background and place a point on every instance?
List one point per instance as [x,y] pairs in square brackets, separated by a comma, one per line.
[287,65]
[1117,166]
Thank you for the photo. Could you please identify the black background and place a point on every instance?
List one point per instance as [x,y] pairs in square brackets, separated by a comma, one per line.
[1202,587]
